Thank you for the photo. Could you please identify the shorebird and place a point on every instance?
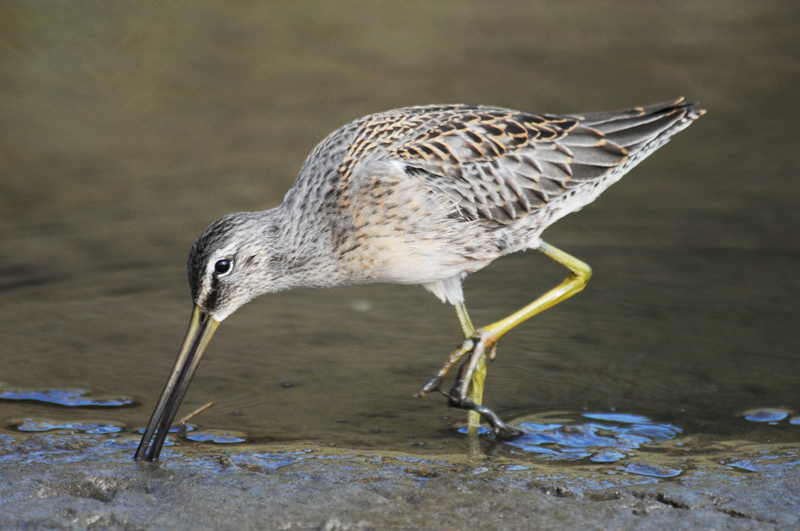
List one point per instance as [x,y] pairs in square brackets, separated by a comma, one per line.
[420,195]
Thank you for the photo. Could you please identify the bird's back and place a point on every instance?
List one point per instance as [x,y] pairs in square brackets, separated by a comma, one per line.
[455,186]
[497,165]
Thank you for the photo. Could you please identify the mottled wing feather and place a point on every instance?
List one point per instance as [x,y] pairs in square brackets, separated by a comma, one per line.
[500,165]
[496,165]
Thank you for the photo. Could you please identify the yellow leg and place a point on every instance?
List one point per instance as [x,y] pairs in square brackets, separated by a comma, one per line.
[485,338]
[478,378]
[463,318]
[581,273]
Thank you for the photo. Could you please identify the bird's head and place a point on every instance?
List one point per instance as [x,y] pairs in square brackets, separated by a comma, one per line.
[229,264]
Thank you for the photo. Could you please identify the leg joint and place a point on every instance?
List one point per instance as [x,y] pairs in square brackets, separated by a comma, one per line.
[581,271]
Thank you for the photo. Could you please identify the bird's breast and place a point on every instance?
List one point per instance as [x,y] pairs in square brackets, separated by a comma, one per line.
[394,229]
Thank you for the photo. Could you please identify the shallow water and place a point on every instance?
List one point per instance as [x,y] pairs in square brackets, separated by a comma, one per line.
[127,128]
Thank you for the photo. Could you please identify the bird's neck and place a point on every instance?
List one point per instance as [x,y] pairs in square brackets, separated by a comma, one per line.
[299,249]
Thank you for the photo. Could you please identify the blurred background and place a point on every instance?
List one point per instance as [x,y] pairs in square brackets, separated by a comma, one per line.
[127,127]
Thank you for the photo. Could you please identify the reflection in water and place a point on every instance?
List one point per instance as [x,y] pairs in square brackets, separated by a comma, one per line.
[128,129]
[217,437]
[766,463]
[644,469]
[766,415]
[190,432]
[607,441]
[64,397]
[179,430]
[36,425]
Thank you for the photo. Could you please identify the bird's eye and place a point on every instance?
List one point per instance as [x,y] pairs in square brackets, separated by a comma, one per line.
[223,266]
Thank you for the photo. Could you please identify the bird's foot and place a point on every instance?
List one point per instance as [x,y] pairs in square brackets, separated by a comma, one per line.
[500,429]
[476,346]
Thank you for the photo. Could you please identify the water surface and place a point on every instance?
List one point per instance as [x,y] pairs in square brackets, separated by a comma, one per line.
[129,127]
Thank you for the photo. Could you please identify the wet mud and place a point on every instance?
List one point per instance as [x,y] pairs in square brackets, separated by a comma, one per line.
[91,482]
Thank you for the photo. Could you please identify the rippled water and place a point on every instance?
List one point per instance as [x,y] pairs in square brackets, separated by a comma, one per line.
[127,128]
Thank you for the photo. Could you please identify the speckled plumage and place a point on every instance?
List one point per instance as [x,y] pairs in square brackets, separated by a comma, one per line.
[426,195]
[421,195]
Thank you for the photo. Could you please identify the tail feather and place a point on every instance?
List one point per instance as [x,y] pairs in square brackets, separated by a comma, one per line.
[644,128]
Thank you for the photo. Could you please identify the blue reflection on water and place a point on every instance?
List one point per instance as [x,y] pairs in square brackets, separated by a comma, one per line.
[605,438]
[216,437]
[644,469]
[64,397]
[765,415]
[37,425]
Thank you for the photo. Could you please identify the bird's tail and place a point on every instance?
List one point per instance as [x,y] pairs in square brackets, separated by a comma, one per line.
[642,130]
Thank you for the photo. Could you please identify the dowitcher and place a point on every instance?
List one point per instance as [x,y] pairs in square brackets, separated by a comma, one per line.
[420,195]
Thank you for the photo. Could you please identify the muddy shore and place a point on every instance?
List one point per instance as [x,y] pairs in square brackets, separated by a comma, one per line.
[86,482]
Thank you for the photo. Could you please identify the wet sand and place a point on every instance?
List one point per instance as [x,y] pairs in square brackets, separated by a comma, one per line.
[86,482]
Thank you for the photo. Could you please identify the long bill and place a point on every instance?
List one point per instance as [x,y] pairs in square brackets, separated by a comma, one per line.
[201,328]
